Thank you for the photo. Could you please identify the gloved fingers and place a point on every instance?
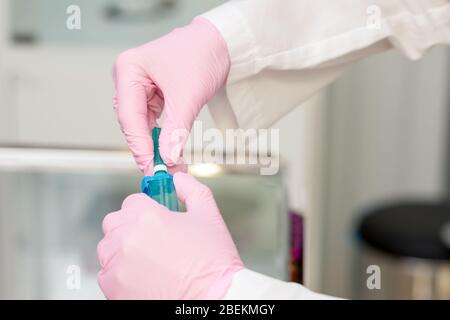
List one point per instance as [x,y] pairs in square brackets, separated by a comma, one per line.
[140,205]
[115,105]
[177,168]
[171,143]
[116,284]
[134,92]
[108,282]
[103,284]
[155,105]
[191,191]
[107,249]
[185,99]
[134,200]
[116,225]
[178,121]
[106,286]
[133,205]
[112,221]
[155,101]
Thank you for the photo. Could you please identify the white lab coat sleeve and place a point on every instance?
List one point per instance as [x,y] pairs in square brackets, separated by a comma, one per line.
[250,285]
[283,52]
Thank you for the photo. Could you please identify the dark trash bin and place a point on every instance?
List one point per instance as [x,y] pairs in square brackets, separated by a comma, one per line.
[409,244]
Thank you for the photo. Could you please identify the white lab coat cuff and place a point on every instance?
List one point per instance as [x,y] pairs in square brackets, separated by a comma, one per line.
[242,47]
[240,41]
[267,80]
[250,285]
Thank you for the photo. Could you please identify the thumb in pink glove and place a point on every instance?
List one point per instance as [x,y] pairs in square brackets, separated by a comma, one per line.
[149,252]
[175,75]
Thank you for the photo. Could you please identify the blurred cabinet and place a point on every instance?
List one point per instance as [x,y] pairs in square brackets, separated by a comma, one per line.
[55,83]
[110,23]
[62,99]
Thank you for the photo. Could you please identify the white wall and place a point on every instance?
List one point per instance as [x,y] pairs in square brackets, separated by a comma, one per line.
[386,139]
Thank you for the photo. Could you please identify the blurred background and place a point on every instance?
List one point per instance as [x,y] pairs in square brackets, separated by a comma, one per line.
[364,180]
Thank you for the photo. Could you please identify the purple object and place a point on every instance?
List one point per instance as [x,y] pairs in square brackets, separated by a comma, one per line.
[296,236]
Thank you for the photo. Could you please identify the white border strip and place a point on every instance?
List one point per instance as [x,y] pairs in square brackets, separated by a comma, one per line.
[63,158]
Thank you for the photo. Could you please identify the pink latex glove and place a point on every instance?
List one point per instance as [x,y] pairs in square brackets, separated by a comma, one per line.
[149,252]
[175,75]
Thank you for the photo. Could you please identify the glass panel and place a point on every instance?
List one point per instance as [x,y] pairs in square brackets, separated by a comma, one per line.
[51,224]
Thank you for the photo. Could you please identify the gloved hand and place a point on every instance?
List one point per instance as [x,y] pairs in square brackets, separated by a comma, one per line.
[174,75]
[149,252]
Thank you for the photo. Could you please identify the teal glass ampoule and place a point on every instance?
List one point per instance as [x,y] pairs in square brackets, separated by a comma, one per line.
[160,186]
